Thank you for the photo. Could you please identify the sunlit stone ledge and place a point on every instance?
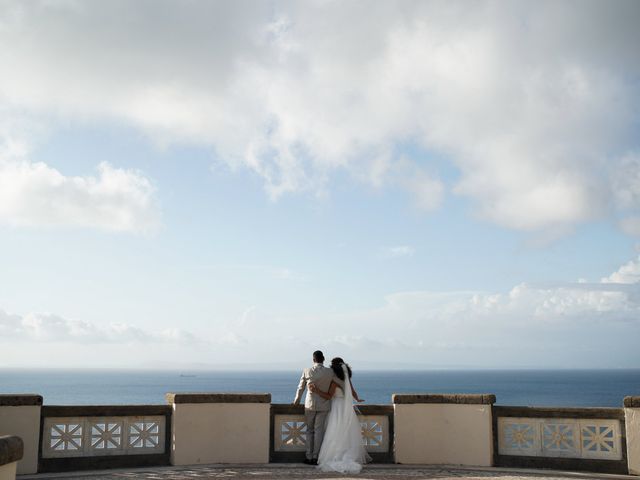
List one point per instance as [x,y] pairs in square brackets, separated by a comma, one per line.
[11,449]
[218,397]
[632,402]
[465,399]
[20,400]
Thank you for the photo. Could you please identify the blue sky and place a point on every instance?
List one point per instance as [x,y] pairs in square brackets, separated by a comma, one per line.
[427,195]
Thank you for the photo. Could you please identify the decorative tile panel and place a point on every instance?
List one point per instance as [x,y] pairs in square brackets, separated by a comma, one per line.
[375,432]
[518,437]
[560,438]
[600,439]
[144,433]
[106,436]
[571,438]
[290,433]
[99,436]
[66,437]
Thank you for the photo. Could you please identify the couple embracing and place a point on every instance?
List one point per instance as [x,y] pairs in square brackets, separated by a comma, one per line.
[334,436]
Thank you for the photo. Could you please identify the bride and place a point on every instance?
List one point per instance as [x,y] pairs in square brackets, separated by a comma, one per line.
[342,449]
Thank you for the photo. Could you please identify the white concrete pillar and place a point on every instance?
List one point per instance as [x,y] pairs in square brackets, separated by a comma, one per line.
[219,428]
[20,416]
[632,427]
[443,429]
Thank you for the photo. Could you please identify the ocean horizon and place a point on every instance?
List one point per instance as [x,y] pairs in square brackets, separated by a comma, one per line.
[524,387]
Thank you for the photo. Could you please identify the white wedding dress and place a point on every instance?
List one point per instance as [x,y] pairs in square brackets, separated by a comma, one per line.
[342,448]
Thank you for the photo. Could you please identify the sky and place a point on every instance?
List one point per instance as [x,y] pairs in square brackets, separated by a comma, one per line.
[234,184]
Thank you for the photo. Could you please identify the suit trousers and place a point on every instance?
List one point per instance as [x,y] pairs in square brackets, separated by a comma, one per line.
[316,424]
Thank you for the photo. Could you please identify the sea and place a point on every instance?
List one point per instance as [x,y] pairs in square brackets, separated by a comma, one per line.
[576,388]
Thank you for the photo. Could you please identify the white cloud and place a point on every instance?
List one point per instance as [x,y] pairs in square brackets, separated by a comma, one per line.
[34,194]
[49,328]
[627,273]
[533,104]
[556,304]
[577,324]
[581,324]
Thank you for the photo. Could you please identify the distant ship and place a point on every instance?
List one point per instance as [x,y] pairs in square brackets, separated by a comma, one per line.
[183,375]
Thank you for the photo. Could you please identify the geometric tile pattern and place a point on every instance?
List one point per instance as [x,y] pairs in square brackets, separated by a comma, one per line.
[600,439]
[106,435]
[551,437]
[66,436]
[290,433]
[559,439]
[99,436]
[375,432]
[519,438]
[144,434]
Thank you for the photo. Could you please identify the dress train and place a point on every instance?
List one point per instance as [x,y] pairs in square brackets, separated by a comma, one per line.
[342,449]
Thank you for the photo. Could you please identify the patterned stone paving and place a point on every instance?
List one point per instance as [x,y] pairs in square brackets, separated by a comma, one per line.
[274,472]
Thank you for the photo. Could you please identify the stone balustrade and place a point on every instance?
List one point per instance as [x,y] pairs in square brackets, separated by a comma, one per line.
[288,432]
[219,428]
[632,427]
[11,451]
[20,416]
[443,429]
[96,436]
[591,439]
[245,428]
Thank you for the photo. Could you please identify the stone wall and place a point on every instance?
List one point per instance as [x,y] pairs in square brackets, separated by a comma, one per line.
[632,426]
[431,429]
[20,416]
[587,439]
[219,428]
[443,429]
[11,452]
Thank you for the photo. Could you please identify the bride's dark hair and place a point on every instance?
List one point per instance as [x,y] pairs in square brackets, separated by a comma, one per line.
[336,366]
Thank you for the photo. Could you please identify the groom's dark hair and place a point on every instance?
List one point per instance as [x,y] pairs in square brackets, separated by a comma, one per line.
[318,357]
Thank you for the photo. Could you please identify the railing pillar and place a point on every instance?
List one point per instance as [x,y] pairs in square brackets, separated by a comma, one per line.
[11,451]
[632,427]
[443,429]
[20,416]
[219,428]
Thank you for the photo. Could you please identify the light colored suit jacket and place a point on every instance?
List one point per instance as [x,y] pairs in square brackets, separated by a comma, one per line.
[321,376]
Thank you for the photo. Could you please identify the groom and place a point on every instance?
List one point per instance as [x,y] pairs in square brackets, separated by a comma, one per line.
[316,408]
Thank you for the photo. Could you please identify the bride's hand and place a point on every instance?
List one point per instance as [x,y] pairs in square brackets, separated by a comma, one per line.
[313,388]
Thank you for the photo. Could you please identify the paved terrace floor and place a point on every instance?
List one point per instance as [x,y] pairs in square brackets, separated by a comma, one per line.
[299,471]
